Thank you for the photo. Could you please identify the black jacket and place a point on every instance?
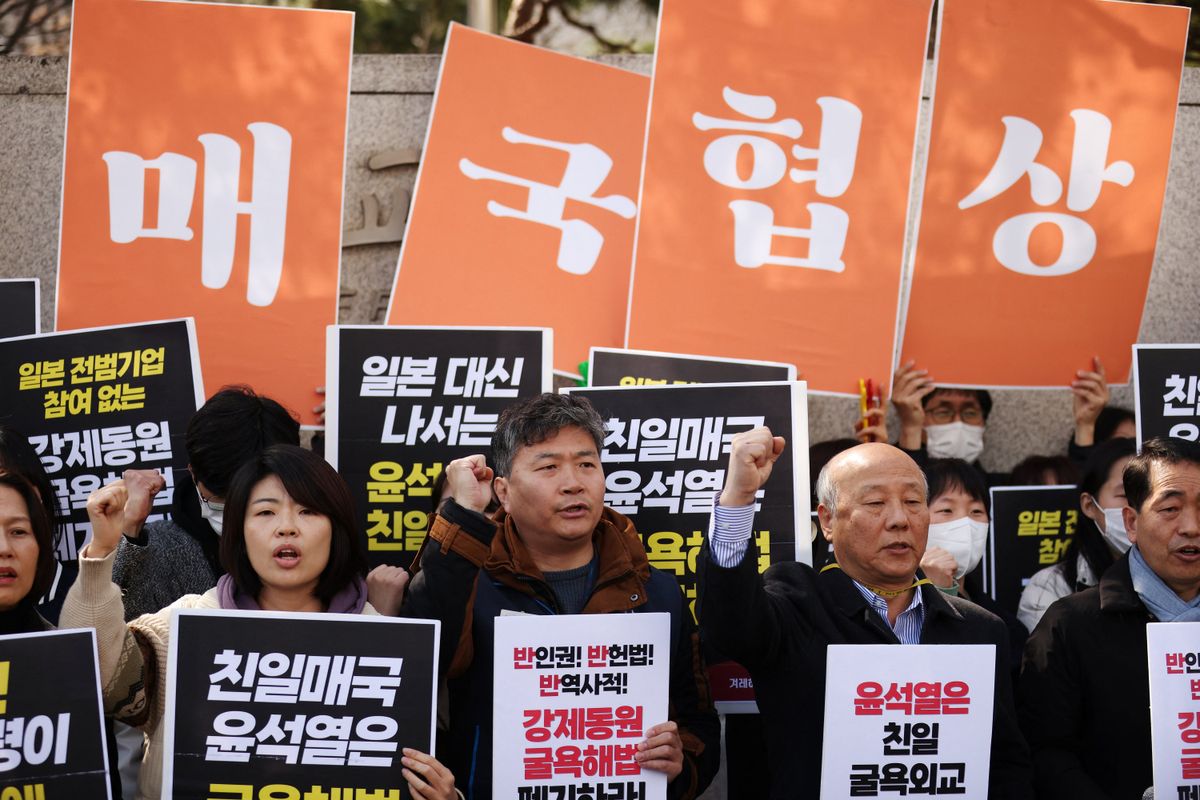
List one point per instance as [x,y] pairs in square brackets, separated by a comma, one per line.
[1085,694]
[779,626]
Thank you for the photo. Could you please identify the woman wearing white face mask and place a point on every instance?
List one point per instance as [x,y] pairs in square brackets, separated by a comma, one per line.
[1099,539]
[958,523]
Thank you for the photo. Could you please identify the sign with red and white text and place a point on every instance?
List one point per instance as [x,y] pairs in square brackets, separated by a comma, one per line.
[202,178]
[574,696]
[1044,188]
[775,188]
[523,212]
[1173,649]
[908,719]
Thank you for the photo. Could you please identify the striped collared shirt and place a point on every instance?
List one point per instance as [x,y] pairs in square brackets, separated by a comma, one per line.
[908,624]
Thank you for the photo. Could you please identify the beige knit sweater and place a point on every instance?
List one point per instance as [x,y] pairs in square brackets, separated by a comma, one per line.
[134,691]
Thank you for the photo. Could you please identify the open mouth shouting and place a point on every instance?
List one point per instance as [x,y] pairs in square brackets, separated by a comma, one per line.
[286,556]
[8,576]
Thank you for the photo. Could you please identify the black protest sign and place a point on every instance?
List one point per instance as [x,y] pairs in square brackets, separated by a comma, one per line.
[402,402]
[665,454]
[1031,528]
[96,402]
[52,744]
[19,299]
[613,367]
[1166,381]
[305,705]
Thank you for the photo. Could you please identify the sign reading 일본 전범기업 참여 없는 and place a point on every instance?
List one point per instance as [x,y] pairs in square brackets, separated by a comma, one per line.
[264,705]
[52,741]
[94,403]
[1030,530]
[402,402]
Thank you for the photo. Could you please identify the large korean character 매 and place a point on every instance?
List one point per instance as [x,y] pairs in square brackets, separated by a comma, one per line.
[232,737]
[380,682]
[281,738]
[664,491]
[622,491]
[68,402]
[1050,551]
[869,699]
[386,484]
[899,698]
[700,438]
[150,362]
[419,481]
[41,374]
[617,448]
[327,679]
[153,440]
[120,397]
[118,446]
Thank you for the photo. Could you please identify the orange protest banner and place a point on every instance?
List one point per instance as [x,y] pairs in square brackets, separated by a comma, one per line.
[523,212]
[1051,137]
[203,177]
[775,190]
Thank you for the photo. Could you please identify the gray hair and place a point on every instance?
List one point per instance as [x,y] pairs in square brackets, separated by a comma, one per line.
[536,420]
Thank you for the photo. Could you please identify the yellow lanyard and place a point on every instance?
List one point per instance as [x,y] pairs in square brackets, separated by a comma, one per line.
[886,594]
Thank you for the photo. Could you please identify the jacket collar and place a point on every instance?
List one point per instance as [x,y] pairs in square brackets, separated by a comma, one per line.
[1116,589]
[852,604]
[622,571]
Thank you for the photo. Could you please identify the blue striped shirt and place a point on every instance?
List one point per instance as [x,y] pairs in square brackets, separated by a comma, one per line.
[729,532]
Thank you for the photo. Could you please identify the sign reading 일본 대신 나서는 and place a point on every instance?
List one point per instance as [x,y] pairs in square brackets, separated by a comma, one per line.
[665,452]
[609,366]
[94,403]
[402,402]
[574,696]
[52,744]
[908,720]
[1031,529]
[266,705]
[1166,380]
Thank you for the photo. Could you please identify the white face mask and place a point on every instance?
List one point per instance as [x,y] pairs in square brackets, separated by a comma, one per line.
[963,538]
[212,512]
[954,440]
[1114,529]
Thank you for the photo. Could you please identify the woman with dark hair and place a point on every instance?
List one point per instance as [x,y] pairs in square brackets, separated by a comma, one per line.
[289,543]
[18,456]
[1099,538]
[958,522]
[27,565]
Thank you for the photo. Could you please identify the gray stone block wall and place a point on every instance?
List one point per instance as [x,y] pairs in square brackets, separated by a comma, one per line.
[389,111]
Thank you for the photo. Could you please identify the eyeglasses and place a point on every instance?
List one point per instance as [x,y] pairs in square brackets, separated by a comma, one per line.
[210,503]
[971,415]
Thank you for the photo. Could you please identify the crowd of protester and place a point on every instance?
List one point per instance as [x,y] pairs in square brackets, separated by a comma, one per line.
[260,523]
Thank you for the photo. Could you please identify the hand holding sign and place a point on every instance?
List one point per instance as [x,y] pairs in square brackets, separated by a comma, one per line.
[106,511]
[427,778]
[752,455]
[909,387]
[469,482]
[662,750]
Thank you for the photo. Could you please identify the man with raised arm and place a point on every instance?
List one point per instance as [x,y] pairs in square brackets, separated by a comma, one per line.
[553,549]
[873,509]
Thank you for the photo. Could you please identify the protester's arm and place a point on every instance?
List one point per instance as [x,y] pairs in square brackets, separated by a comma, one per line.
[909,387]
[1090,391]
[458,543]
[1050,707]
[738,616]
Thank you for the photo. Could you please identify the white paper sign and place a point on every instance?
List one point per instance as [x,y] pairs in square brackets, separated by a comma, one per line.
[908,720]
[1173,649]
[574,696]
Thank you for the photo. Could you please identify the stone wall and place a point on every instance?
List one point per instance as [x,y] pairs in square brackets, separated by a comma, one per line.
[389,114]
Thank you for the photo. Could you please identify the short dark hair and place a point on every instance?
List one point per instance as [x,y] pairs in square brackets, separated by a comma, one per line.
[536,420]
[1160,450]
[981,395]
[1088,541]
[231,428]
[1109,418]
[43,532]
[17,455]
[947,474]
[312,483]
[1032,471]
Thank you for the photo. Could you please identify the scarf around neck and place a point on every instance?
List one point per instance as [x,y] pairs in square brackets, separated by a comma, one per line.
[350,600]
[1156,595]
